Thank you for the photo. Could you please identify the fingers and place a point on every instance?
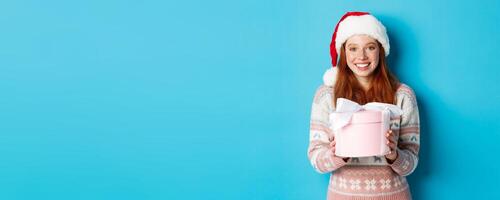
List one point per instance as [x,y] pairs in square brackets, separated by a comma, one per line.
[389,133]
[391,141]
[390,136]
[332,143]
[392,155]
[391,145]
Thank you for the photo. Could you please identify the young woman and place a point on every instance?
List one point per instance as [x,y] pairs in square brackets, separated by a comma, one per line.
[362,76]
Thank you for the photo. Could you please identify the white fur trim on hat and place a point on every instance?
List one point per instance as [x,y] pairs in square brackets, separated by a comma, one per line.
[330,76]
[358,25]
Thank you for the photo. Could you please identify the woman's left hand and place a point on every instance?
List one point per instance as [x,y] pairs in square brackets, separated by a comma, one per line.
[391,142]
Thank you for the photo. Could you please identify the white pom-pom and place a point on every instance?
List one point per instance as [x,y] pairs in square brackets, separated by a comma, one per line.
[330,76]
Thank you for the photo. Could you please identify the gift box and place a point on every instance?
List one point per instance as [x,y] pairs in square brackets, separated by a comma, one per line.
[359,131]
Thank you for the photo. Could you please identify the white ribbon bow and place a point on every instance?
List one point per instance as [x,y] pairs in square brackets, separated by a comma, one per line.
[346,108]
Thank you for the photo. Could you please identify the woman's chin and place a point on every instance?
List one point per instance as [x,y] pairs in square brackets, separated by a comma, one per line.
[363,75]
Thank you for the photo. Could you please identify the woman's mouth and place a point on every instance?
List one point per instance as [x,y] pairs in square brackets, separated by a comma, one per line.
[362,67]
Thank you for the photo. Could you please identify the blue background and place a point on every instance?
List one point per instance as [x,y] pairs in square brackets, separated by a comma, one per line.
[211,99]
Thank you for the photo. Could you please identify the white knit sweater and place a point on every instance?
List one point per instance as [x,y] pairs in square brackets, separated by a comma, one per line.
[366,177]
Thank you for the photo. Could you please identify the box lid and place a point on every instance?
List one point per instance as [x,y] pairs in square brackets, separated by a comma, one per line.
[366,116]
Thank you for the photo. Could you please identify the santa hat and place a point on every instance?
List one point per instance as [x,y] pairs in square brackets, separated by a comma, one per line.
[354,23]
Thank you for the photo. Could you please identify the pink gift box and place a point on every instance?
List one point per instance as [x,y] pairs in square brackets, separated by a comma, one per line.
[364,135]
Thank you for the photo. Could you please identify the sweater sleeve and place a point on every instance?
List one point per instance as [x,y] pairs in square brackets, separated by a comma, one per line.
[409,135]
[319,150]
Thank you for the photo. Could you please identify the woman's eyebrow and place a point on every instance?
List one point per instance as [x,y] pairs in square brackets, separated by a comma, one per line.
[354,44]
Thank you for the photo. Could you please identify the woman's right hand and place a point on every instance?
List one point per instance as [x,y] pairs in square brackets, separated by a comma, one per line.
[332,148]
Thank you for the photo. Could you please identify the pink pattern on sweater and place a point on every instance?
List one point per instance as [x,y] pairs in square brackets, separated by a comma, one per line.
[366,177]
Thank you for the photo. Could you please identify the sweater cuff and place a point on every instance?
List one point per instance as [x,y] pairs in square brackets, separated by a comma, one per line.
[338,161]
[398,164]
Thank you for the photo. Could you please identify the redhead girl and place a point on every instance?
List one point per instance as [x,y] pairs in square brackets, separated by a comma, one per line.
[361,45]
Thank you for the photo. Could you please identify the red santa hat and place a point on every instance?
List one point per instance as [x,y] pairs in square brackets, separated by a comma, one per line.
[354,23]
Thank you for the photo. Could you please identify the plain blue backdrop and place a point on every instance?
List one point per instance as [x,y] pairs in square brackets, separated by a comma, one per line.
[136,99]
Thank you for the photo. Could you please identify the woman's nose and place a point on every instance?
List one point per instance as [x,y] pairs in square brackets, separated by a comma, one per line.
[362,54]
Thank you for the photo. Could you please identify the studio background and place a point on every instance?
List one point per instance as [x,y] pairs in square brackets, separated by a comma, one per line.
[199,99]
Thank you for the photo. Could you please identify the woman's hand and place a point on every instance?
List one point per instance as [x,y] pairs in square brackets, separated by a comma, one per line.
[391,142]
[332,148]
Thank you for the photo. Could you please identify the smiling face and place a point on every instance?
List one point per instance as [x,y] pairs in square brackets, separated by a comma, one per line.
[362,55]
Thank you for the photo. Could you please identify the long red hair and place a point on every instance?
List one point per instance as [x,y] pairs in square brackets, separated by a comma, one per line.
[382,88]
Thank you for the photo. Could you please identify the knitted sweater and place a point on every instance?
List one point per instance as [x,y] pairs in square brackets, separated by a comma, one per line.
[366,177]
